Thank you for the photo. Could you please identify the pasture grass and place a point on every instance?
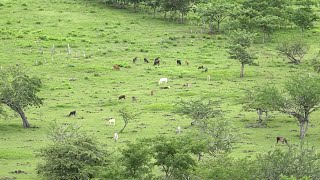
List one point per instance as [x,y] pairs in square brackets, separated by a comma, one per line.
[85,81]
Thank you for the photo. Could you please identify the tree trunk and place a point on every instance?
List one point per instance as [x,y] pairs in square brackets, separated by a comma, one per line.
[302,130]
[154,12]
[211,25]
[218,26]
[24,118]
[125,124]
[259,116]
[242,70]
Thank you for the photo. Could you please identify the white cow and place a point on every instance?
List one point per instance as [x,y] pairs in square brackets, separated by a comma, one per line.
[112,121]
[115,137]
[178,130]
[163,80]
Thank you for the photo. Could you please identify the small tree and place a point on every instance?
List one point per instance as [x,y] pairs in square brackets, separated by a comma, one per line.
[75,157]
[294,50]
[127,116]
[263,100]
[18,91]
[136,158]
[197,110]
[173,156]
[304,16]
[239,43]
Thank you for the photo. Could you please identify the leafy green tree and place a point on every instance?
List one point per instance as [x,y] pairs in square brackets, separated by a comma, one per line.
[304,16]
[153,4]
[19,91]
[267,24]
[239,43]
[197,110]
[299,162]
[294,50]
[216,11]
[300,98]
[173,157]
[75,157]
[263,100]
[136,158]
[127,116]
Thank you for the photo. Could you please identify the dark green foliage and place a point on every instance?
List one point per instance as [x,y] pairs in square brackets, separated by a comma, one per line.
[294,50]
[298,162]
[136,158]
[75,157]
[239,43]
[18,90]
[223,167]
[173,156]
[304,16]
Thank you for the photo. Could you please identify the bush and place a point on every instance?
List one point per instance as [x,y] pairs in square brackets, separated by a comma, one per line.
[72,155]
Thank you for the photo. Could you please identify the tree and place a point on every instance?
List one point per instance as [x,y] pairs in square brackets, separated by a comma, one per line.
[304,16]
[19,91]
[267,24]
[300,97]
[197,110]
[299,162]
[154,4]
[294,50]
[127,116]
[263,100]
[173,156]
[136,158]
[74,157]
[239,43]
[215,11]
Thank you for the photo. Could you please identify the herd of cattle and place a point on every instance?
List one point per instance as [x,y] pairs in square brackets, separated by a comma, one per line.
[156,62]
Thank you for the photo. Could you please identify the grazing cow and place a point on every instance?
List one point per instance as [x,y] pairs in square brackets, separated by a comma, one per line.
[134,99]
[116,67]
[200,67]
[178,130]
[178,62]
[205,70]
[115,137]
[187,85]
[165,87]
[72,113]
[282,139]
[134,60]
[187,63]
[208,78]
[112,121]
[156,61]
[163,80]
[145,60]
[152,92]
[122,97]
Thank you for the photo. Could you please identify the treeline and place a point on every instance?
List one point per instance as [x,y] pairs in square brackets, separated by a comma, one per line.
[264,16]
[75,155]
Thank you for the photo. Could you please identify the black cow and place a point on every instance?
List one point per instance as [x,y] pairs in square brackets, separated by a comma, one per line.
[122,97]
[72,113]
[134,60]
[145,60]
[200,67]
[178,62]
[156,61]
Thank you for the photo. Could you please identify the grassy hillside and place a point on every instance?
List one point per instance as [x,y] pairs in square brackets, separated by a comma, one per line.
[85,81]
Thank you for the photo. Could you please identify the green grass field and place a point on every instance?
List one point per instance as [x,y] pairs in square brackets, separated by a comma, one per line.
[100,37]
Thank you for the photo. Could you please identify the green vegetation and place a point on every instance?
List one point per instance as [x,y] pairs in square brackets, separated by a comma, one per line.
[72,47]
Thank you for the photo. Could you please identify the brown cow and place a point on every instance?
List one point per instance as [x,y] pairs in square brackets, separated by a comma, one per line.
[282,139]
[116,67]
